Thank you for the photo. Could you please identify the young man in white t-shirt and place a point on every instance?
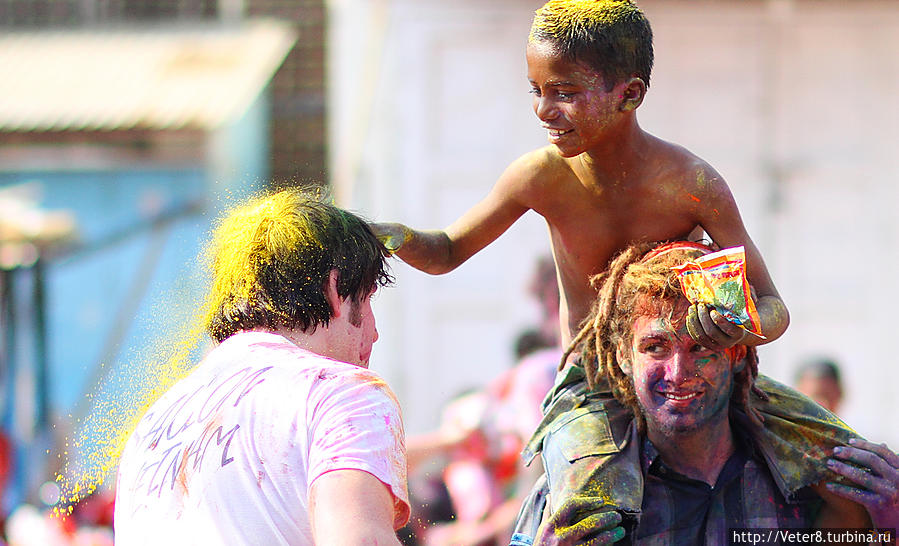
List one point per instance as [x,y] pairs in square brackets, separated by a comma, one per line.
[281,435]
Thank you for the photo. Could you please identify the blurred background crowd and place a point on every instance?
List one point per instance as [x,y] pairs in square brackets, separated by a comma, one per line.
[127,125]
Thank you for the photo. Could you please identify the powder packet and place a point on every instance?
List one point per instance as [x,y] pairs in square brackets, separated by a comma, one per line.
[719,280]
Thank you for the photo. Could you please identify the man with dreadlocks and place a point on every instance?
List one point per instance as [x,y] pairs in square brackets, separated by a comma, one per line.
[688,466]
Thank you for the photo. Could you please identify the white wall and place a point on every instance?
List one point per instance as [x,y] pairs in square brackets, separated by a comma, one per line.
[429,104]
[793,102]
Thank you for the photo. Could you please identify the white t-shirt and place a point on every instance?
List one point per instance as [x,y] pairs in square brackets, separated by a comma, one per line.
[227,456]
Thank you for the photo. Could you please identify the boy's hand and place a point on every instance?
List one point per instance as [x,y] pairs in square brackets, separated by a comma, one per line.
[712,329]
[878,479]
[392,235]
[578,522]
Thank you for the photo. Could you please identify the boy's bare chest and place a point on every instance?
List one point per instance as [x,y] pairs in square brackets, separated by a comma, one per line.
[591,227]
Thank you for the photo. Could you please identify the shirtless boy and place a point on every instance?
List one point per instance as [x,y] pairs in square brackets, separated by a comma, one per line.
[603,182]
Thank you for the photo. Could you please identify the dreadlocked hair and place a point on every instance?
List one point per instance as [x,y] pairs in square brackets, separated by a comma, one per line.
[636,284]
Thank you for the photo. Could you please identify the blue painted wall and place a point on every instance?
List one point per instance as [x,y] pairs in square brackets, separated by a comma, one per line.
[89,289]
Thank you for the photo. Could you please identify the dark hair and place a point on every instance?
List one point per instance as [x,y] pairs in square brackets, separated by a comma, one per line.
[824,368]
[530,341]
[271,259]
[637,283]
[612,37]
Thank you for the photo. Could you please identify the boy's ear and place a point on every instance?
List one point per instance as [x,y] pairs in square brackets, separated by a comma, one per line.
[632,94]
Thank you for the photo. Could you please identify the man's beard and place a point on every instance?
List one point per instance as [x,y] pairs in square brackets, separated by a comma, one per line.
[674,427]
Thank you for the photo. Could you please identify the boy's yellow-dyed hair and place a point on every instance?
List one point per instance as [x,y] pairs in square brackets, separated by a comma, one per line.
[613,37]
[638,283]
[271,258]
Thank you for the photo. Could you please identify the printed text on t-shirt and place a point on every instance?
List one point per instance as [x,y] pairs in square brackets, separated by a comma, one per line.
[179,435]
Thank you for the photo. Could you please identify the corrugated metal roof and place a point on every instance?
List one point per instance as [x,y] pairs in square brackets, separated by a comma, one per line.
[160,78]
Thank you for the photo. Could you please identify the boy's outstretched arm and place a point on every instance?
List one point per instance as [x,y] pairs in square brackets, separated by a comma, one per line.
[441,251]
[719,216]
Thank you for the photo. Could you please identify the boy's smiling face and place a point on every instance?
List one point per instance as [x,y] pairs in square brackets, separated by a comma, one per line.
[571,100]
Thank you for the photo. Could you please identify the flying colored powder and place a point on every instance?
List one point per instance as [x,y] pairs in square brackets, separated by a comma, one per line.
[248,237]
[132,386]
[121,399]
[560,19]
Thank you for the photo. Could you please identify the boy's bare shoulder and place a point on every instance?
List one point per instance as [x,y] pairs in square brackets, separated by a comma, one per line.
[698,188]
[538,170]
[688,169]
[541,163]
[540,167]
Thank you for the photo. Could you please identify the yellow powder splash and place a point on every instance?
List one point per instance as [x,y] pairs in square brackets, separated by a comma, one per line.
[121,400]
[252,234]
[557,18]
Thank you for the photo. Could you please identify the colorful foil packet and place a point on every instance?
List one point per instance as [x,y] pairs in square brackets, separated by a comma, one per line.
[719,280]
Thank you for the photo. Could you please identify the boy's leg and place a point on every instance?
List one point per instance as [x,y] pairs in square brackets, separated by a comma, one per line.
[531,514]
[798,436]
[588,445]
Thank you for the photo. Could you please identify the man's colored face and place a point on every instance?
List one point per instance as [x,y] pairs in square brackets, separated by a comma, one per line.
[681,385]
[571,100]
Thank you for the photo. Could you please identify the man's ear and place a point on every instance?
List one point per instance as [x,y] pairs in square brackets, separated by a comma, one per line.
[632,94]
[331,294]
[624,362]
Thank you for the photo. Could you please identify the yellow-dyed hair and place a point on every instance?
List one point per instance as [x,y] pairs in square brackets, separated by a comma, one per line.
[270,260]
[638,283]
[613,37]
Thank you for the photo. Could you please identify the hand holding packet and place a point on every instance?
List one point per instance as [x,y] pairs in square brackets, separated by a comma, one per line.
[719,280]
